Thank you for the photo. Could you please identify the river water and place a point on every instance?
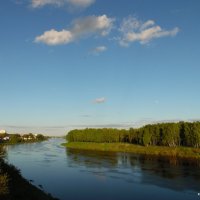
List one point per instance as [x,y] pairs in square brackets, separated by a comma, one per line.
[77,175]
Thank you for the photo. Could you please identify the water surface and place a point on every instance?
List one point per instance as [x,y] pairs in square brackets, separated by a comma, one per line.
[76,175]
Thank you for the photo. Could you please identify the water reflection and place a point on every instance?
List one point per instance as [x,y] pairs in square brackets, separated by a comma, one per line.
[175,174]
[77,175]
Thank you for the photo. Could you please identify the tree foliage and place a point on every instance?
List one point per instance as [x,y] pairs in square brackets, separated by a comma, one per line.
[165,134]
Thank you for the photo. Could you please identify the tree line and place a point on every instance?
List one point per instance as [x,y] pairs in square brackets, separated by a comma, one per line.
[161,134]
[17,138]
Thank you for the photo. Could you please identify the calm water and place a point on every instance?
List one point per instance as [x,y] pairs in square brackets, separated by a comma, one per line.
[74,175]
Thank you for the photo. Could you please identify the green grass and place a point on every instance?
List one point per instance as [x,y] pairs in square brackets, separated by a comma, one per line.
[176,152]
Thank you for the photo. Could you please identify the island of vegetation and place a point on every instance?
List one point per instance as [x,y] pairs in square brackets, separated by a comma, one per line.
[178,140]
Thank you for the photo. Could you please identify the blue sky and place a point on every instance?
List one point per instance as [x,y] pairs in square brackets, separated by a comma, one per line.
[83,63]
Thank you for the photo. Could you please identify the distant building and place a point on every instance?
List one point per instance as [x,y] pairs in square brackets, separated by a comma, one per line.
[2,131]
[27,137]
[6,138]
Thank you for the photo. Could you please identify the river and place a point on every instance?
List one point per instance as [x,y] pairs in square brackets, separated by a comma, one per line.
[77,175]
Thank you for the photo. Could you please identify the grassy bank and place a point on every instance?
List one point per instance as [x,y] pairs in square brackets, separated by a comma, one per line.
[14,187]
[179,152]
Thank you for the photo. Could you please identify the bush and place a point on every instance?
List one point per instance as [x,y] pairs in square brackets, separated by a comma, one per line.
[3,184]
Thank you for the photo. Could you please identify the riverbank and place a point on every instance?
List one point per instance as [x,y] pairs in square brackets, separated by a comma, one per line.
[175,152]
[14,187]
[21,142]
[12,139]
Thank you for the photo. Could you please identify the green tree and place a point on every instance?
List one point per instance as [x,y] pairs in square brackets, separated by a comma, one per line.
[15,138]
[146,137]
[40,137]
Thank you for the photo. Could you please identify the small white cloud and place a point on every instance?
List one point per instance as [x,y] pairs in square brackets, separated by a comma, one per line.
[91,25]
[100,100]
[133,30]
[54,37]
[99,50]
[147,24]
[74,3]
[81,3]
[41,3]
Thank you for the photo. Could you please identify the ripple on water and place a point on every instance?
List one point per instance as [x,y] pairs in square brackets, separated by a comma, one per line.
[50,155]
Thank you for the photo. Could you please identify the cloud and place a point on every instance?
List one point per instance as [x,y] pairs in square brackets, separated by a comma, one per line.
[147,24]
[99,49]
[100,100]
[54,37]
[91,25]
[41,3]
[59,3]
[133,30]
[81,3]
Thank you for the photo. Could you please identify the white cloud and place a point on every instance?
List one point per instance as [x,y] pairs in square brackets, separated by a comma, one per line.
[100,100]
[54,37]
[129,24]
[133,30]
[81,3]
[147,24]
[99,49]
[91,25]
[41,3]
[74,3]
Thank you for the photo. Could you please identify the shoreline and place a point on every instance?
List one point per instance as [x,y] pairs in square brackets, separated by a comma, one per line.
[23,142]
[174,152]
[15,186]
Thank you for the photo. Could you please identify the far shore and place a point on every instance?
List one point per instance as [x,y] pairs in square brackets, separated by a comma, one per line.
[174,152]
